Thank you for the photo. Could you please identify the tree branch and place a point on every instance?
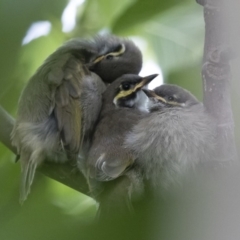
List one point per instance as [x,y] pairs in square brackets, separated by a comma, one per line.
[66,173]
[216,72]
[6,123]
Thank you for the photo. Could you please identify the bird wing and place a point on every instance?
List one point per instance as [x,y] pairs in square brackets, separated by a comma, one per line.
[67,108]
[76,103]
[50,114]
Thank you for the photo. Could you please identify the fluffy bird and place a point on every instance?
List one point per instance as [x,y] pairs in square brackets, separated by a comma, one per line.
[174,137]
[109,164]
[60,104]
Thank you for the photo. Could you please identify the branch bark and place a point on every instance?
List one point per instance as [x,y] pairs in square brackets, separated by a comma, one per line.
[216,71]
[66,173]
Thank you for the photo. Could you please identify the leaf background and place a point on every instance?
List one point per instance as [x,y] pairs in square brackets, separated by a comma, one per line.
[174,33]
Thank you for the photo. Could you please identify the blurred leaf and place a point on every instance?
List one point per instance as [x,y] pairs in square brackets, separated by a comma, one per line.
[15,18]
[188,77]
[174,32]
[29,58]
[71,202]
[33,54]
[100,14]
[176,37]
[141,11]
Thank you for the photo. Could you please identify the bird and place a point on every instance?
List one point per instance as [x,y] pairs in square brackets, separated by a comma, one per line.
[60,104]
[109,162]
[177,135]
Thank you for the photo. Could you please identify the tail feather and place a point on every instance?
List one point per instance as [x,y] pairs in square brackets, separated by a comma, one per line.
[24,173]
[29,164]
[32,171]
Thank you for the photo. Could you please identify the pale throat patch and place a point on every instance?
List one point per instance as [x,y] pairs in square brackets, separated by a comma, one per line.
[140,102]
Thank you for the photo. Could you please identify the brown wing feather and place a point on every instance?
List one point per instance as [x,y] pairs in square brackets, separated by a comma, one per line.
[51,111]
[68,109]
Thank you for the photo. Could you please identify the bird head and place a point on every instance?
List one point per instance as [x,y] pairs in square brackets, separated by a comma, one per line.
[168,95]
[126,91]
[115,57]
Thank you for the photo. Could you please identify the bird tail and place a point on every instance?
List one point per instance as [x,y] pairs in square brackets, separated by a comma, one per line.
[29,163]
[34,142]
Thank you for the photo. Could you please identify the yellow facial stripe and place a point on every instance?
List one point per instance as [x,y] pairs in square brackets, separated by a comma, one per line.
[114,54]
[123,94]
[139,85]
[99,59]
[160,99]
[153,94]
[176,103]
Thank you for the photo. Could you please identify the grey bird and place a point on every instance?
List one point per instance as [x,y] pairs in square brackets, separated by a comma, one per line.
[109,162]
[60,104]
[177,135]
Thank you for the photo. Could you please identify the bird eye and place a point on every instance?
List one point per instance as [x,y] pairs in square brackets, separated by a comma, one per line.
[170,98]
[125,86]
[109,57]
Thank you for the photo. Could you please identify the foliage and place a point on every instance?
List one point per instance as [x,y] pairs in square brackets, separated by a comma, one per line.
[174,35]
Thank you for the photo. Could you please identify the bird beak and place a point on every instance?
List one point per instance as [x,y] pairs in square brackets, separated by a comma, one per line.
[144,81]
[152,94]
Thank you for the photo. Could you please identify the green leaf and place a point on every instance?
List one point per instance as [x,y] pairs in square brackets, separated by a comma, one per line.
[141,11]
[99,15]
[176,37]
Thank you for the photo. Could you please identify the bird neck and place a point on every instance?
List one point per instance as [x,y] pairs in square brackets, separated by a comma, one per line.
[107,101]
[109,108]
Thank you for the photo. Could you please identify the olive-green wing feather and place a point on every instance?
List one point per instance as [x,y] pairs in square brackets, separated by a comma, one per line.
[50,115]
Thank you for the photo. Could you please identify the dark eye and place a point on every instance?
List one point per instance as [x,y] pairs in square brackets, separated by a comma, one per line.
[125,86]
[170,98]
[109,57]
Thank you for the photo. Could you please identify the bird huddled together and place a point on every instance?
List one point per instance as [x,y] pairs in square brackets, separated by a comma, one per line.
[87,103]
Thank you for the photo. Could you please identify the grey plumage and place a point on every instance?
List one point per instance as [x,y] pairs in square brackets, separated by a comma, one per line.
[176,136]
[61,102]
[108,158]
